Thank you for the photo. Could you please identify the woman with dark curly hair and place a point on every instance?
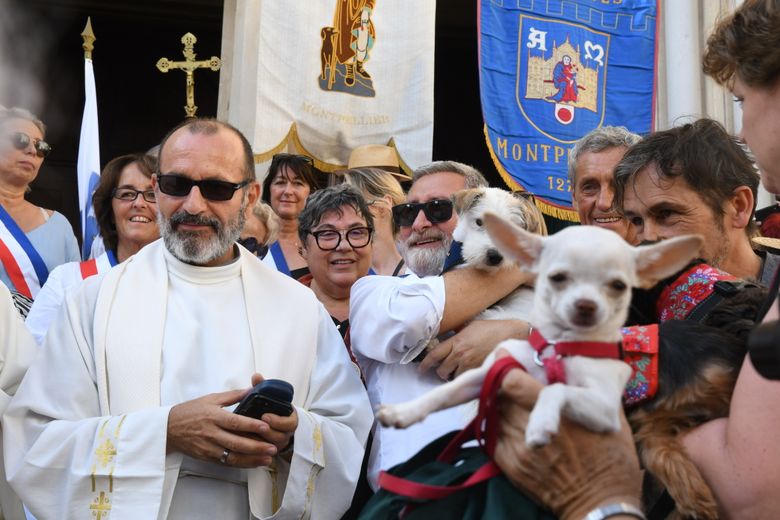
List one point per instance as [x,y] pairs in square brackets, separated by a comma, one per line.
[126,213]
[290,180]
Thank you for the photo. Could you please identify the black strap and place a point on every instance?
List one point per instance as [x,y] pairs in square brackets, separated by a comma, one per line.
[773,295]
[662,508]
[398,268]
[722,289]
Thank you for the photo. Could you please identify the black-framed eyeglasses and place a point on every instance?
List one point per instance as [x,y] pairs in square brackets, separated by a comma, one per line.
[437,210]
[21,141]
[329,239]
[180,186]
[130,194]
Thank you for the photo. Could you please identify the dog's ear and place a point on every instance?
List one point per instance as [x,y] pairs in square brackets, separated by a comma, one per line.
[658,261]
[533,218]
[513,241]
[464,200]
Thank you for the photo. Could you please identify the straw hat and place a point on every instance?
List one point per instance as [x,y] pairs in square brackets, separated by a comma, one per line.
[377,156]
[766,244]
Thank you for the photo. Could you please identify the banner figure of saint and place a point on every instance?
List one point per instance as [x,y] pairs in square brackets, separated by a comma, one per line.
[565,80]
[346,46]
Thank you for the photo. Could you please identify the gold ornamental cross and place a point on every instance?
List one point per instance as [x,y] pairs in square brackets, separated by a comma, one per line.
[189,66]
[100,507]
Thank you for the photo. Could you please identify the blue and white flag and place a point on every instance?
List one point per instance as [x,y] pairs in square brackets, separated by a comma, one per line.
[550,72]
[88,166]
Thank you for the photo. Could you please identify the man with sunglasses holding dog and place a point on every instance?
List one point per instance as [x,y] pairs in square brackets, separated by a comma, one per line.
[129,409]
[393,319]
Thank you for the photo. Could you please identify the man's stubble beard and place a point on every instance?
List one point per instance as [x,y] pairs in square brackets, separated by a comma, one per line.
[194,249]
[425,261]
[723,250]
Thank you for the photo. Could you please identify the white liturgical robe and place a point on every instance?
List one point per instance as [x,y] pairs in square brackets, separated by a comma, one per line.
[86,432]
[17,350]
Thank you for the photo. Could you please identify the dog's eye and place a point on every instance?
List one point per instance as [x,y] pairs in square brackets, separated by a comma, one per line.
[478,222]
[618,285]
[558,278]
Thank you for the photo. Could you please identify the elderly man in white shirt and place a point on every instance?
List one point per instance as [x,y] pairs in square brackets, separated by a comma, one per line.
[393,319]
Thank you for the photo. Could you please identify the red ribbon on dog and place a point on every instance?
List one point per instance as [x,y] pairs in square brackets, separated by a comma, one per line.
[553,365]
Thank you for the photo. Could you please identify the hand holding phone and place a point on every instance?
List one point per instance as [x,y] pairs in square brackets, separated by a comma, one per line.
[269,396]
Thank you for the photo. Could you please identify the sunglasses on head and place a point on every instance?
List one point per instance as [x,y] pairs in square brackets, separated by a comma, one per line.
[21,141]
[523,194]
[437,210]
[292,156]
[180,186]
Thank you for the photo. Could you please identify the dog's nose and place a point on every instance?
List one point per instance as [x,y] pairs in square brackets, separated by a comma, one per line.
[586,309]
[493,257]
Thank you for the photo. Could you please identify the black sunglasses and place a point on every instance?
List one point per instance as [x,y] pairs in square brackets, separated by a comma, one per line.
[437,210]
[180,186]
[21,141]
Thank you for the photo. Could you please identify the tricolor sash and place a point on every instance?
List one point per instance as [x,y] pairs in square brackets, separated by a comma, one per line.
[24,265]
[97,265]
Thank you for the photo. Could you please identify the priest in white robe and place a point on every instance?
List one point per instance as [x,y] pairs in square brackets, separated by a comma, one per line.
[127,410]
[17,350]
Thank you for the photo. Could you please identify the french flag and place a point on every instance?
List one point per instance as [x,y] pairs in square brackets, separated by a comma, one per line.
[88,166]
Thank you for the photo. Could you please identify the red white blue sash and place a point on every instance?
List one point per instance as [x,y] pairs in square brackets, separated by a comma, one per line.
[97,265]
[24,265]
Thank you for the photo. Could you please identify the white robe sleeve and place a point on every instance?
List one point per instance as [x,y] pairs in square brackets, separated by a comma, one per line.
[47,303]
[392,319]
[17,350]
[330,440]
[62,458]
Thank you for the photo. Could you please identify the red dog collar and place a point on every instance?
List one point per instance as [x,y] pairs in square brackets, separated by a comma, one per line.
[553,365]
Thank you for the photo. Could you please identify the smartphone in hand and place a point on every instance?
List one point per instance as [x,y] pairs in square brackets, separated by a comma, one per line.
[269,396]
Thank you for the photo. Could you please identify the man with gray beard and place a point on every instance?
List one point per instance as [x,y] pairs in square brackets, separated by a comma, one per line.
[129,407]
[393,319]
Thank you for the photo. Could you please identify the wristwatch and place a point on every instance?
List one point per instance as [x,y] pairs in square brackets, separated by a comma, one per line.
[618,508]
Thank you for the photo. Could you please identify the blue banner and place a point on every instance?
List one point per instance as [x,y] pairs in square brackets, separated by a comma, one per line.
[550,72]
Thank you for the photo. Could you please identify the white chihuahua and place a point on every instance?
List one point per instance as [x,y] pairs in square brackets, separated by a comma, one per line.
[584,276]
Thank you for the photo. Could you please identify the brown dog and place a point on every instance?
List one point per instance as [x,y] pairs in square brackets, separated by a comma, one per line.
[698,363]
[326,51]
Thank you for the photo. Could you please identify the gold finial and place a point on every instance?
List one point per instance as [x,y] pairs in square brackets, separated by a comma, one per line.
[89,37]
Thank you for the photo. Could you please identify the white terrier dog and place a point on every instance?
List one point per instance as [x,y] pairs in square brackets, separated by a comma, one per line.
[479,250]
[584,276]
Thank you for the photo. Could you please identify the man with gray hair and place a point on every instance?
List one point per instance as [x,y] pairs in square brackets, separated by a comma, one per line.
[591,165]
[393,319]
[424,239]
